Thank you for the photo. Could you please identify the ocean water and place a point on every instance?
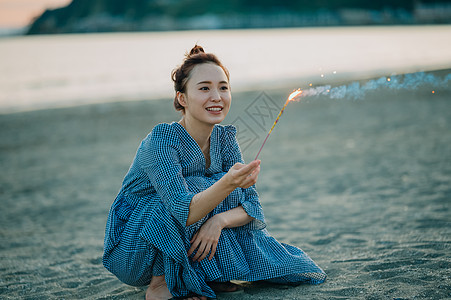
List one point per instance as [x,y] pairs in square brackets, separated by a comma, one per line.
[64,70]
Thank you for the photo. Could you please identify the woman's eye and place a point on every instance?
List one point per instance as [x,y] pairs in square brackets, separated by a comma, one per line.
[224,88]
[204,88]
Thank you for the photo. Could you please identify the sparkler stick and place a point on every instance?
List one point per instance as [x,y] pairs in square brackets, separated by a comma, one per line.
[292,96]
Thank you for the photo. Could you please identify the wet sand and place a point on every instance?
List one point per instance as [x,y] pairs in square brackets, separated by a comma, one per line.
[362,186]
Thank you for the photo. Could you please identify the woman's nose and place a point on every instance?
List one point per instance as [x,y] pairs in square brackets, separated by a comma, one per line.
[215,95]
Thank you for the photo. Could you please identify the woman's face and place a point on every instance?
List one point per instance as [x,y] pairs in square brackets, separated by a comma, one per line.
[207,95]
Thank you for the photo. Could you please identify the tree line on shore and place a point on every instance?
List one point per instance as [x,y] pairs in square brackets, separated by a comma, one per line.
[149,15]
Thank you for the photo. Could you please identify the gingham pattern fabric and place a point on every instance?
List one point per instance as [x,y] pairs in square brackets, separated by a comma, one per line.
[146,232]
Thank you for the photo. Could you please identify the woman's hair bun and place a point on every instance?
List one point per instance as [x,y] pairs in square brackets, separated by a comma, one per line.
[196,50]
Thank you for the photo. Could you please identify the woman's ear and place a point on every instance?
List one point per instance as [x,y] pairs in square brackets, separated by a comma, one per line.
[181,98]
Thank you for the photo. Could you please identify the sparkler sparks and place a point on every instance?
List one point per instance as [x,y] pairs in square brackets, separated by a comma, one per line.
[356,90]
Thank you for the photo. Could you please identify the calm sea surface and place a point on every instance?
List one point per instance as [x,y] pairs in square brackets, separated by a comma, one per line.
[63,70]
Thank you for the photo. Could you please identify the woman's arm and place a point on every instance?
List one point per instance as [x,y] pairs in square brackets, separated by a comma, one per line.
[232,218]
[239,175]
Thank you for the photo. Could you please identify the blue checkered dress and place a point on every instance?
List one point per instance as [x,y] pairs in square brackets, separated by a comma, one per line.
[146,233]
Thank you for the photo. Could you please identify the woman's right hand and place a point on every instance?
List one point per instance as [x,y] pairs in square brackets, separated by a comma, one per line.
[243,176]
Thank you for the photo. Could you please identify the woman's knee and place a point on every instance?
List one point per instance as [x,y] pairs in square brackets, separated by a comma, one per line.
[132,268]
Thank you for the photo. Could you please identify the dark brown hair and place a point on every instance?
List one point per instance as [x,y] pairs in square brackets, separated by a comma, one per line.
[182,73]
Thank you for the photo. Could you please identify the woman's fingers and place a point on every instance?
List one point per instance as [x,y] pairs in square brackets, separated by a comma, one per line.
[210,248]
[194,237]
[200,245]
[192,249]
[251,179]
[202,252]
[245,170]
[213,251]
[194,244]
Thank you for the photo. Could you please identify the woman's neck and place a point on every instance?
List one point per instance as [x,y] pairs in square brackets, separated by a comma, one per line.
[200,132]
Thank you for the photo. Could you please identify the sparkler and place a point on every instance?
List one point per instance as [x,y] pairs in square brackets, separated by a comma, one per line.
[291,97]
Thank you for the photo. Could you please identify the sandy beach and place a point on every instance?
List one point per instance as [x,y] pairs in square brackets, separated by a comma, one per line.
[363,186]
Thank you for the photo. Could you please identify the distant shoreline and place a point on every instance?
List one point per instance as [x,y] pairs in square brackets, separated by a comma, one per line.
[102,17]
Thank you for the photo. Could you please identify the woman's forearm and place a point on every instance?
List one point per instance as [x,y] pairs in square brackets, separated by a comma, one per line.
[235,217]
[204,202]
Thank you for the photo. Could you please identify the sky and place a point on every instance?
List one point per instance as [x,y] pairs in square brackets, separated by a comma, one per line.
[20,13]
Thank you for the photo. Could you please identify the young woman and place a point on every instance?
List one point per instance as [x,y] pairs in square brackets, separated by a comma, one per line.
[187,219]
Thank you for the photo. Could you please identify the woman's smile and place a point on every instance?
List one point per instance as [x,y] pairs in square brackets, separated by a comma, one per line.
[216,109]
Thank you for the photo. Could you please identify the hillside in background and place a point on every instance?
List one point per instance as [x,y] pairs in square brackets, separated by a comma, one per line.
[156,15]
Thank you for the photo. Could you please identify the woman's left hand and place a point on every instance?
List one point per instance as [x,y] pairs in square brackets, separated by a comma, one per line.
[206,239]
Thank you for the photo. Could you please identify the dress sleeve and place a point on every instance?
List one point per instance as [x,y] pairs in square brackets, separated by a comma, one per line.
[158,157]
[231,154]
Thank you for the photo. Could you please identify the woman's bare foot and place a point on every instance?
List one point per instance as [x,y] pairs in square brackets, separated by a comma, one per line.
[158,290]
